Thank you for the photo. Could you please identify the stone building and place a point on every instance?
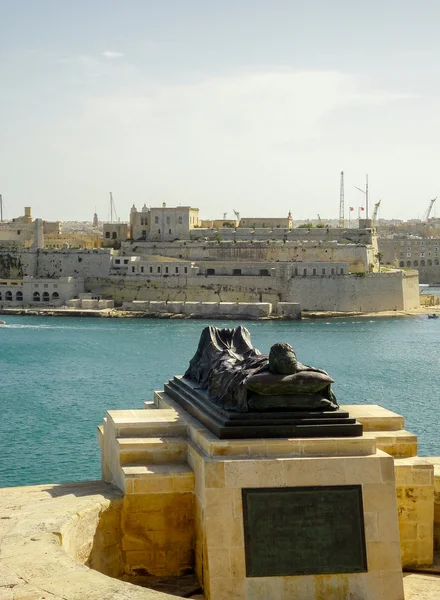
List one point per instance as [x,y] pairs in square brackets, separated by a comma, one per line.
[163,223]
[422,254]
[32,291]
[267,222]
[25,231]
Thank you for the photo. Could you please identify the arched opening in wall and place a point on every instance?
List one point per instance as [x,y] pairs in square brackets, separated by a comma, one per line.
[408,263]
[416,263]
[55,296]
[422,263]
[323,272]
[107,234]
[46,297]
[332,272]
[429,262]
[436,262]
[114,235]
[19,296]
[342,270]
[8,295]
[314,272]
[304,272]
[36,297]
[401,264]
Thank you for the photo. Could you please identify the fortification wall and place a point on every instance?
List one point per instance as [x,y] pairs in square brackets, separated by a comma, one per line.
[370,293]
[54,263]
[259,251]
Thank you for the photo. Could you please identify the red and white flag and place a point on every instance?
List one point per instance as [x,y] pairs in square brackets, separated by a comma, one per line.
[351,207]
[362,208]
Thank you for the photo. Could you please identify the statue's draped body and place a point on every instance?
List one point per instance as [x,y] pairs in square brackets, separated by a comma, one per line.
[239,378]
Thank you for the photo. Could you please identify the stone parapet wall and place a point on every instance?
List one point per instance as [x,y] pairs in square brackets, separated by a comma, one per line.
[206,309]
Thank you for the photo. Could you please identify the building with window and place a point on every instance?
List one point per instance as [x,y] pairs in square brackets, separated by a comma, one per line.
[33,291]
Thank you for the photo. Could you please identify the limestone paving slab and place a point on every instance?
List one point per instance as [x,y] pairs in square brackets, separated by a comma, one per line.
[38,524]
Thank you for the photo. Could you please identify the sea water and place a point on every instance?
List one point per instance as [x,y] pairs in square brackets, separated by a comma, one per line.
[58,376]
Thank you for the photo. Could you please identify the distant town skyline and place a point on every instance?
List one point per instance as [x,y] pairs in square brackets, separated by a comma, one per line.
[251,106]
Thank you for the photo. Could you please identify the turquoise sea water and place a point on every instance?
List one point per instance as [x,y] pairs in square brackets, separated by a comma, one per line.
[58,376]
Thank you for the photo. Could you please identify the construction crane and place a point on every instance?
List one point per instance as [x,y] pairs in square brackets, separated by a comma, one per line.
[224,216]
[319,219]
[428,212]
[376,209]
[341,201]
[237,214]
[112,209]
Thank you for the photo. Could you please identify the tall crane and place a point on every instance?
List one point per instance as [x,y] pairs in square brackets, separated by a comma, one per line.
[112,209]
[428,212]
[376,210]
[341,201]
[237,214]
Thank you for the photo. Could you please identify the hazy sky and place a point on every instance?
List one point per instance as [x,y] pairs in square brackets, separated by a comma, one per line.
[252,105]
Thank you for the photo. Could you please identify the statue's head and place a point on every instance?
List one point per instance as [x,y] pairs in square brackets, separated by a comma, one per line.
[282,359]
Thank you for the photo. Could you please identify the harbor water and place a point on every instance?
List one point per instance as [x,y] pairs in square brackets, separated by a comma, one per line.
[59,375]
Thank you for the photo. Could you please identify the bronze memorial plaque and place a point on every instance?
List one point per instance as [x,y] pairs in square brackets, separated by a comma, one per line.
[304,531]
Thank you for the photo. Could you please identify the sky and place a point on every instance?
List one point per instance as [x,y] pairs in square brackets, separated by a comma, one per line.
[245,105]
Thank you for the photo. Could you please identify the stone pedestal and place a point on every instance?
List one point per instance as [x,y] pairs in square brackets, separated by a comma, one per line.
[224,472]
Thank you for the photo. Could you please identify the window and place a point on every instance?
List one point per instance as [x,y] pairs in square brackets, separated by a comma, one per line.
[401,264]
[133,269]
[158,231]
[323,271]
[314,272]
[36,297]
[55,285]
[142,220]
[114,235]
[236,272]
[158,269]
[210,271]
[144,233]
[177,269]
[18,232]
[168,220]
[332,272]
[180,220]
[118,261]
[416,263]
[37,285]
[46,297]
[264,272]
[151,269]
[429,262]
[125,261]
[8,295]
[342,271]
[19,296]
[142,269]
[46,285]
[156,220]
[422,263]
[107,234]
[304,272]
[408,263]
[0,295]
[169,231]
[55,296]
[296,270]
[436,262]
[166,269]
[186,269]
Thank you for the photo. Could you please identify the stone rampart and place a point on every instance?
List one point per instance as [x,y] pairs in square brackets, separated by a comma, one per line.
[252,310]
